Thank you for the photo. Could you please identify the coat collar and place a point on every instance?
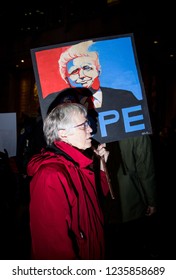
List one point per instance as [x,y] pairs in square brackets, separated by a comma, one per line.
[76,154]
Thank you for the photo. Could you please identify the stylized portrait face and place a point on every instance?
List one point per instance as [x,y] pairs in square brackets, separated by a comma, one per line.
[82,71]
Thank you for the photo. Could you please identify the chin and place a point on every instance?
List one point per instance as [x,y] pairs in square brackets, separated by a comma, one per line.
[88,146]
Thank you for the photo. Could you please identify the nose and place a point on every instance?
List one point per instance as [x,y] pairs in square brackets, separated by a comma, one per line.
[81,73]
[89,129]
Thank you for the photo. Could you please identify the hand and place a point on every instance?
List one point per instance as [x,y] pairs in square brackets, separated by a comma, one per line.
[150,210]
[103,154]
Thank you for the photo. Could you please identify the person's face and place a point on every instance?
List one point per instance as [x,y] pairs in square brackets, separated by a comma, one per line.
[82,71]
[79,135]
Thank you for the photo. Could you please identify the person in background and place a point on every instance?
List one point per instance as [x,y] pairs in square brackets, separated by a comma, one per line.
[131,217]
[66,219]
[68,95]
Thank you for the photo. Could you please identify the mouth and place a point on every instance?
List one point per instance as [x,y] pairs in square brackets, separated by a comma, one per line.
[85,81]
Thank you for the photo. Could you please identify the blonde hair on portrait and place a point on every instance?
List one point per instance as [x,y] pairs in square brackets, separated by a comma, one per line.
[77,50]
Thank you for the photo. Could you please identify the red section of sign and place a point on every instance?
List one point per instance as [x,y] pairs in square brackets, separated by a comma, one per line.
[48,70]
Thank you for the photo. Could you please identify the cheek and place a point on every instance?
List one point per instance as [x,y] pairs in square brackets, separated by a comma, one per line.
[72,83]
[96,83]
[73,78]
[82,141]
[79,140]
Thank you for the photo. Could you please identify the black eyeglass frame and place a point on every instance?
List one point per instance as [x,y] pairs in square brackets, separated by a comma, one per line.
[86,124]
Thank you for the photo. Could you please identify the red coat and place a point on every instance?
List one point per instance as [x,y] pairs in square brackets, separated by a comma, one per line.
[66,220]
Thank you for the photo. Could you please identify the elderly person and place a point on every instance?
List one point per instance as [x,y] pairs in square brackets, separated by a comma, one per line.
[66,219]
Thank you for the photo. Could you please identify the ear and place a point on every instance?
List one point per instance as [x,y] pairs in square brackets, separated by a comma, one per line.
[63,135]
[67,80]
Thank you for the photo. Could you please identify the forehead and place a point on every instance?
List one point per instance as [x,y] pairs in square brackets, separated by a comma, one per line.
[80,61]
[78,116]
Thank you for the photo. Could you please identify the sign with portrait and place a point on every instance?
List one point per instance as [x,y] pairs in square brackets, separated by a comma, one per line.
[106,73]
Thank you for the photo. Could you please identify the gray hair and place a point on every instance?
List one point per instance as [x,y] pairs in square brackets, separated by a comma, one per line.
[61,117]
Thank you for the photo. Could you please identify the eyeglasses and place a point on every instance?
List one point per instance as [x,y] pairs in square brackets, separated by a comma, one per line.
[83,125]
